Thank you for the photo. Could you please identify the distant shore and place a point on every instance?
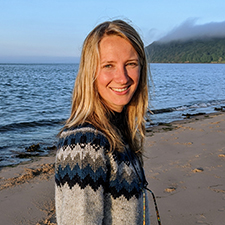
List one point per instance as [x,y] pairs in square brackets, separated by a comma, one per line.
[184,166]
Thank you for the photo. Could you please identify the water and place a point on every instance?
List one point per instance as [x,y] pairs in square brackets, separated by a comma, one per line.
[35,99]
[186,88]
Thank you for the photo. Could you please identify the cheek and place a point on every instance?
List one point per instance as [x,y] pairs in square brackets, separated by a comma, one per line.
[102,80]
[136,77]
[137,81]
[101,84]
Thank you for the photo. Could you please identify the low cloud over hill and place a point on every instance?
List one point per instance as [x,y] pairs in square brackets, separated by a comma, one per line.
[190,30]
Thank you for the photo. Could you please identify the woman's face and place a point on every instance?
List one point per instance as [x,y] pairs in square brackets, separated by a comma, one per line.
[118,72]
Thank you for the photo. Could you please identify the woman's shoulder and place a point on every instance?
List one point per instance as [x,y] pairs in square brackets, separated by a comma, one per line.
[83,134]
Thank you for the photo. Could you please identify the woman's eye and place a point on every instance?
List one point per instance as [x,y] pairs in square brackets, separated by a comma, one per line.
[133,64]
[107,66]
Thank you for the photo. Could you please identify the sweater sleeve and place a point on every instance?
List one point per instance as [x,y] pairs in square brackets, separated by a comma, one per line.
[80,178]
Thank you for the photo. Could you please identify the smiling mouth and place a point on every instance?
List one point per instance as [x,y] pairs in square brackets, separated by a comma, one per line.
[120,89]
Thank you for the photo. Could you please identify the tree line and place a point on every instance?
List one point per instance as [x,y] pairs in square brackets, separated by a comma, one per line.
[205,50]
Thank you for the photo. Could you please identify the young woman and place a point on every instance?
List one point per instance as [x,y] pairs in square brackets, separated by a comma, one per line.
[99,167]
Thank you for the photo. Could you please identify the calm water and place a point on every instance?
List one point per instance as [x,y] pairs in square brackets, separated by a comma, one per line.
[36,98]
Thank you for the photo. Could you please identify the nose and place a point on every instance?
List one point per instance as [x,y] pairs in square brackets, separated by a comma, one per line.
[121,75]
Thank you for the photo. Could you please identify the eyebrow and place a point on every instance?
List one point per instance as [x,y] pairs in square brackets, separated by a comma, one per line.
[111,61]
[137,60]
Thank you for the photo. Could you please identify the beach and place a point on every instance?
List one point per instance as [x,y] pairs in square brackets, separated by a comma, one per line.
[184,165]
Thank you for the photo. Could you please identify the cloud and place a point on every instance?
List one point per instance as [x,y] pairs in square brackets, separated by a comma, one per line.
[151,35]
[189,30]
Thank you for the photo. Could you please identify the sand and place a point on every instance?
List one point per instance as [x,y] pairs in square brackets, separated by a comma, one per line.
[27,193]
[185,169]
[184,166]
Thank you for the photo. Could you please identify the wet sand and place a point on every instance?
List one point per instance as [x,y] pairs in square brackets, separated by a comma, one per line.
[184,166]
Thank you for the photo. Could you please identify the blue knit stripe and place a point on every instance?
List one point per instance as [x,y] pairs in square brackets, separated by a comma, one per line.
[80,138]
[83,177]
[82,172]
[118,185]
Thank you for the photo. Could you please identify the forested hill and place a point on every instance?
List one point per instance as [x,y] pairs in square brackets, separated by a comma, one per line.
[193,51]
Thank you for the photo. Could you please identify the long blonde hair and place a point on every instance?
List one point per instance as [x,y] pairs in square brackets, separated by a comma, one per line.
[87,105]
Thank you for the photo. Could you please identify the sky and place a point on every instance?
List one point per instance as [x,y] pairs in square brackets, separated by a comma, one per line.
[53,31]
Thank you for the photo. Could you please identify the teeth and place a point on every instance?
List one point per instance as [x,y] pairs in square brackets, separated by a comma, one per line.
[120,89]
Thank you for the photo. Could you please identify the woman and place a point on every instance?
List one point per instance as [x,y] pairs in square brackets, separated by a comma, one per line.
[99,175]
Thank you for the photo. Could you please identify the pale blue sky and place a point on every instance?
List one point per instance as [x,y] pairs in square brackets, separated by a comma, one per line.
[54,30]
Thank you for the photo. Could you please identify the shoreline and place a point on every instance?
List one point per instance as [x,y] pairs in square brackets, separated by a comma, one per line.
[37,150]
[184,166]
[164,127]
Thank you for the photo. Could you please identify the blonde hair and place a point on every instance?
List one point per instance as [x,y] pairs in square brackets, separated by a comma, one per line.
[87,105]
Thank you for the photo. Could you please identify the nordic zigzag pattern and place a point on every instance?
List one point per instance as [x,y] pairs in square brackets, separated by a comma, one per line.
[84,163]
[82,159]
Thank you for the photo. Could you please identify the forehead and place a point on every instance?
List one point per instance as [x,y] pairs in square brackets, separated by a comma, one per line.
[116,46]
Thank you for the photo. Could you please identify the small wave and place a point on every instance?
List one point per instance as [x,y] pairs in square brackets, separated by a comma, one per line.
[181,108]
[24,125]
[159,111]
[187,107]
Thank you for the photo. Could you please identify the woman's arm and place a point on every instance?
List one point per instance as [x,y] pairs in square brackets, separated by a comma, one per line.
[81,177]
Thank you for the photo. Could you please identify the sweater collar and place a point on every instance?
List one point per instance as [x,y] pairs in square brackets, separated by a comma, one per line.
[117,119]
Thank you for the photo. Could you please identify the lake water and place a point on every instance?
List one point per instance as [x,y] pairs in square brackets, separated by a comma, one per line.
[35,99]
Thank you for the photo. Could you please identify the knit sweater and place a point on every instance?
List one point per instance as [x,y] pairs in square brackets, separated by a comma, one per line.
[94,185]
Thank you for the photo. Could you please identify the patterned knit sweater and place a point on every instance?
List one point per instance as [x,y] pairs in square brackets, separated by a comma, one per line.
[95,186]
